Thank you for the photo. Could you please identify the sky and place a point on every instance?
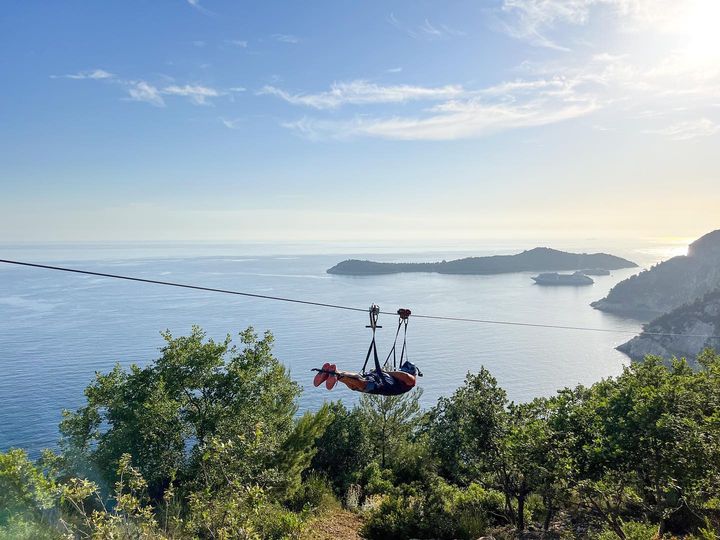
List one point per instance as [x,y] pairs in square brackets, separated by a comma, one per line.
[349,121]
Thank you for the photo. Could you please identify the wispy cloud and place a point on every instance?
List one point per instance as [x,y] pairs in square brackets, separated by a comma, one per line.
[145,92]
[199,43]
[534,20]
[394,70]
[197,93]
[361,92]
[460,112]
[425,30]
[95,74]
[196,4]
[237,43]
[457,120]
[683,131]
[286,38]
[232,123]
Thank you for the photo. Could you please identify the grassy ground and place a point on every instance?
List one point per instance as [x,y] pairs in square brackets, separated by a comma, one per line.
[338,525]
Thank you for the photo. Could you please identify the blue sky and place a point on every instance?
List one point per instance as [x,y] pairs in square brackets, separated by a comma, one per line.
[357,121]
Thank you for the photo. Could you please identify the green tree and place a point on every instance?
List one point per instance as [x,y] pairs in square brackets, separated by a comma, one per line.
[344,448]
[166,415]
[390,422]
[26,491]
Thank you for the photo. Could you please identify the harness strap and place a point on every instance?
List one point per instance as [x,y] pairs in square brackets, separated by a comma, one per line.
[374,312]
[404,315]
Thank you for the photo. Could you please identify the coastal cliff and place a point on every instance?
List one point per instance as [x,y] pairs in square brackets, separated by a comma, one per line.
[670,284]
[534,260]
[698,322]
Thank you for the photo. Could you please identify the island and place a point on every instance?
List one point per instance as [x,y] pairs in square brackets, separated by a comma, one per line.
[540,259]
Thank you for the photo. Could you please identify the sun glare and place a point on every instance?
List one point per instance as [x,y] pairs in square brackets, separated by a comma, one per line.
[701,30]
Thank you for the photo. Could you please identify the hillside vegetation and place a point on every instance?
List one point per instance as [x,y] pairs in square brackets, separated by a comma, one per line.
[684,331]
[206,442]
[669,284]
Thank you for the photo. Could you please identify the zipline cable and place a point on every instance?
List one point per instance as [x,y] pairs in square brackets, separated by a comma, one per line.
[346,308]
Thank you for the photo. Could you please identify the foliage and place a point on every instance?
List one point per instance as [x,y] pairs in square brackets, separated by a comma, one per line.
[344,448]
[26,492]
[390,421]
[436,510]
[206,443]
[169,413]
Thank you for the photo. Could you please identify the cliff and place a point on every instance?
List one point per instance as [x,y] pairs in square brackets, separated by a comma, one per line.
[670,284]
[700,318]
[534,260]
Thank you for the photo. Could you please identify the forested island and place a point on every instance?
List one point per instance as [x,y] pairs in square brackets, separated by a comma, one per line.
[539,259]
[207,442]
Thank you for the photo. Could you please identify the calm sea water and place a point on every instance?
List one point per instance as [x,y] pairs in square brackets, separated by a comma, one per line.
[57,329]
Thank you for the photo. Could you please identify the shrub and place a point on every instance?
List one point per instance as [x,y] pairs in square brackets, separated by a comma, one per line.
[376,480]
[276,523]
[436,510]
[315,493]
[477,508]
[633,530]
[19,529]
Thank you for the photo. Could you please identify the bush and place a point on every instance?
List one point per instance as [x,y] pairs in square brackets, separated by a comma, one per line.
[478,508]
[18,529]
[634,530]
[436,510]
[276,523]
[377,481]
[315,493]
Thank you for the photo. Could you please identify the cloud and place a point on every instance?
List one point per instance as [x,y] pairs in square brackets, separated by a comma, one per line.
[143,91]
[196,4]
[533,20]
[454,120]
[96,74]
[426,30]
[197,93]
[286,38]
[361,92]
[199,43]
[237,43]
[232,123]
[394,70]
[684,131]
[458,113]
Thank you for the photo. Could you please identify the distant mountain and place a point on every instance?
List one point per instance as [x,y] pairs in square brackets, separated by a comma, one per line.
[670,284]
[534,260]
[700,318]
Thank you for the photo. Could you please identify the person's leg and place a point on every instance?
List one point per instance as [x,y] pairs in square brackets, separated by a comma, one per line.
[354,381]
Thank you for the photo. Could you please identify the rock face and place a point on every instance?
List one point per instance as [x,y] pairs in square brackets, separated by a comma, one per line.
[670,284]
[694,321]
[533,260]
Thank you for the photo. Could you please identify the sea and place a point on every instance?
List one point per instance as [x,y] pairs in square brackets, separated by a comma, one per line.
[58,329]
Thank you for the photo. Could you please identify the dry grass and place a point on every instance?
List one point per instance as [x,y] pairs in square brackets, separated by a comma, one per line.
[340,525]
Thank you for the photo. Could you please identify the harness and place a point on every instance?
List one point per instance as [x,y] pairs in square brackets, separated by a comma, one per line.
[379,371]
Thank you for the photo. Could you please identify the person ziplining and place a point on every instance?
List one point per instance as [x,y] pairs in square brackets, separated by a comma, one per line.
[383,380]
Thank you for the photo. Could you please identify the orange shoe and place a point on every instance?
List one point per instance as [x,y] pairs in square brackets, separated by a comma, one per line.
[332,379]
[322,376]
